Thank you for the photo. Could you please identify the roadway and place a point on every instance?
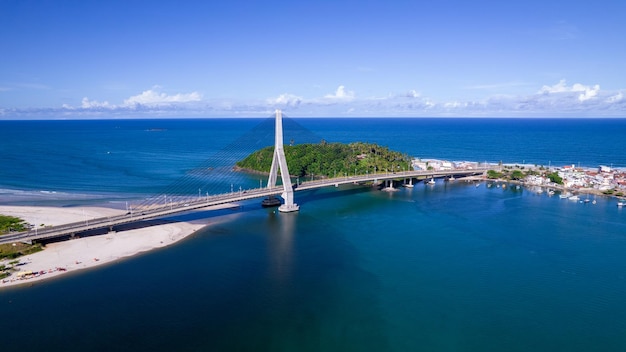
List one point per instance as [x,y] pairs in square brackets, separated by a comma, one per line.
[165,210]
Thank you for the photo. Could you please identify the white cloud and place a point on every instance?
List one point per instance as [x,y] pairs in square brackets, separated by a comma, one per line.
[557,88]
[341,94]
[286,100]
[413,94]
[153,97]
[615,98]
[560,99]
[93,104]
[589,92]
[586,92]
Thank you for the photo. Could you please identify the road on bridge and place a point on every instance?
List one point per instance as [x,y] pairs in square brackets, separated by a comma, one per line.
[164,210]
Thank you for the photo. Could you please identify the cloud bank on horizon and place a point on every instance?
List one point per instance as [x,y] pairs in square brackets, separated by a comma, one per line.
[238,58]
[557,100]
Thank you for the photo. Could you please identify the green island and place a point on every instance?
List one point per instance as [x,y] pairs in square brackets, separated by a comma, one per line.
[326,160]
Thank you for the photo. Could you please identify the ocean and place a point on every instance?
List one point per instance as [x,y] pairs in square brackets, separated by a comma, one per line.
[449,267]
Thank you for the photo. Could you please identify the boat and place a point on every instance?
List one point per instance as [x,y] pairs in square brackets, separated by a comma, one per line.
[574,198]
[621,204]
[270,201]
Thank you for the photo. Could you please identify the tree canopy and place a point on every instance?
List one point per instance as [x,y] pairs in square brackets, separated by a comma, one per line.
[330,159]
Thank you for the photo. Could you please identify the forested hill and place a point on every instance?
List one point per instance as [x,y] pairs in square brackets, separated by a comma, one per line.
[330,159]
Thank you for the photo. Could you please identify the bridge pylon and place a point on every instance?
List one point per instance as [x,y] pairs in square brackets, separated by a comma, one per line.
[279,162]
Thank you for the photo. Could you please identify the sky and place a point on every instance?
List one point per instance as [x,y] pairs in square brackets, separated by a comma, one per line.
[440,58]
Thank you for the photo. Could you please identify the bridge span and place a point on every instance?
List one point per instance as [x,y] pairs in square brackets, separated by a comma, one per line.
[194,203]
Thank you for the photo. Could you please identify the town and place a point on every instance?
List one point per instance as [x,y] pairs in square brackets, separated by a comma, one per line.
[604,180]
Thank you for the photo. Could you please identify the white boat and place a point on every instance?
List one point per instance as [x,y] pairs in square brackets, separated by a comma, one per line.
[574,198]
[621,204]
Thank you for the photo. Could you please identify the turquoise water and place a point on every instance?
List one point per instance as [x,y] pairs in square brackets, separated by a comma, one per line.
[452,267]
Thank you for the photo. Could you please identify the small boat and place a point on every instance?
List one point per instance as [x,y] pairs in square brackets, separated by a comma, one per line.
[574,198]
[270,201]
[621,204]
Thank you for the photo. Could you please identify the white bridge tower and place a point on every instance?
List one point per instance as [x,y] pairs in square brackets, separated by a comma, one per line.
[279,161]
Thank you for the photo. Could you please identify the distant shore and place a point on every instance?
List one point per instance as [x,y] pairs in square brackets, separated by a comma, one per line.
[69,256]
[560,188]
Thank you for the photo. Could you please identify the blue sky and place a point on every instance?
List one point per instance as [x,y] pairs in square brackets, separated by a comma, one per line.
[116,59]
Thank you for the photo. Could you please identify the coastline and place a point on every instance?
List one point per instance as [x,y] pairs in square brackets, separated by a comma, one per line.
[78,254]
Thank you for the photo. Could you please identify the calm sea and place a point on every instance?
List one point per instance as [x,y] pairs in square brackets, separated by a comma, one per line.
[449,267]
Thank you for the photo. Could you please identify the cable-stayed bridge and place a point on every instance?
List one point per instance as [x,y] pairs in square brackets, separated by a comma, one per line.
[165,206]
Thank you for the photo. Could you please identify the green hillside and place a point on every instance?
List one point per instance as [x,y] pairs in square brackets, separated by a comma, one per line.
[329,159]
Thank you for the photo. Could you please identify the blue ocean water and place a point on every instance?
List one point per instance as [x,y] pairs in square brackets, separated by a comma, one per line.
[452,267]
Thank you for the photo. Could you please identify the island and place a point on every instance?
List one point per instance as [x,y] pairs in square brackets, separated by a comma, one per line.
[326,160]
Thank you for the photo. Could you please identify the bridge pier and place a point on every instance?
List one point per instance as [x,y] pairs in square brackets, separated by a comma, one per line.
[280,163]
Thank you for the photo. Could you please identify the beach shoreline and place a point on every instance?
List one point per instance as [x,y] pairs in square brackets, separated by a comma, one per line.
[60,258]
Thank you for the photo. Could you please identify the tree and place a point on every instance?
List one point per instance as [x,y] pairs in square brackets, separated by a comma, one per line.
[493,174]
[554,177]
[517,175]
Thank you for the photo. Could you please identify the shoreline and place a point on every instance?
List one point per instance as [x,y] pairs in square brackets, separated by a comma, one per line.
[60,258]
[560,188]
[63,257]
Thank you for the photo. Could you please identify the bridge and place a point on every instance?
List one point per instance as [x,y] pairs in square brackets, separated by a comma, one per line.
[285,190]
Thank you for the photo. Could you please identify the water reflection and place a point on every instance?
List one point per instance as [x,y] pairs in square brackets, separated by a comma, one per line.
[280,245]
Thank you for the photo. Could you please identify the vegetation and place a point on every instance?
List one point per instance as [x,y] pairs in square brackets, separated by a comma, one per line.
[330,159]
[554,177]
[517,175]
[11,223]
[493,174]
[16,250]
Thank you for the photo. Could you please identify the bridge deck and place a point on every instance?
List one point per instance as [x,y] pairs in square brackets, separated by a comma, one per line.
[165,210]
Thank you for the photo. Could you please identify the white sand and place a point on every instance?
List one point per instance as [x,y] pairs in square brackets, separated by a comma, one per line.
[89,251]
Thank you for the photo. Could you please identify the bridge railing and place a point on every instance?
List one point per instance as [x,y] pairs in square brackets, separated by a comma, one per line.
[165,209]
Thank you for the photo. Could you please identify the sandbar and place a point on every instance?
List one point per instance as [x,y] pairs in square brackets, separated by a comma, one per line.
[68,256]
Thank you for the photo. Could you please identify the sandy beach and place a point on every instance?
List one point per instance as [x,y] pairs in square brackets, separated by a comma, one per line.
[68,256]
